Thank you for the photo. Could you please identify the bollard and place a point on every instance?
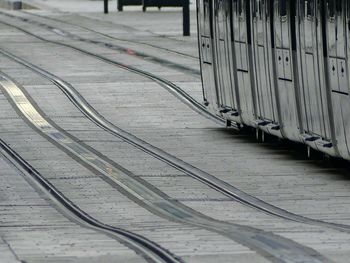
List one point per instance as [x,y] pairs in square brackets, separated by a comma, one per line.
[186,17]
[105,6]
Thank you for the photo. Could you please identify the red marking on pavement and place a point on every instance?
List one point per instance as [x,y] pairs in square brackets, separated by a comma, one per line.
[130,51]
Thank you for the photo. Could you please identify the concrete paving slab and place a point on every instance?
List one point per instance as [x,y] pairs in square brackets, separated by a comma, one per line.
[32,230]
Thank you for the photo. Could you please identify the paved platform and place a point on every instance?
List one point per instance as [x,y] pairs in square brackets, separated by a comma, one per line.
[34,228]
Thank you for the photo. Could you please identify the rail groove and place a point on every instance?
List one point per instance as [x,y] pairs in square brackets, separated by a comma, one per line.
[166,84]
[112,46]
[109,36]
[268,245]
[143,43]
[150,250]
[229,190]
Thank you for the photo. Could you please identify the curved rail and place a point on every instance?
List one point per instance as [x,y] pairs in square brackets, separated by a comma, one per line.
[149,249]
[194,172]
[129,51]
[171,87]
[109,36]
[268,245]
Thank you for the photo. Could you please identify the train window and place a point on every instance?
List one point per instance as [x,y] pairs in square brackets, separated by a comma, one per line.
[283,8]
[207,18]
[338,6]
[240,7]
[310,8]
[254,8]
[348,16]
[331,9]
[267,9]
[260,10]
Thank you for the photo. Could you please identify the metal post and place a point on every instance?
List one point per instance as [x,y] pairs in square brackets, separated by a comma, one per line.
[186,17]
[120,5]
[106,6]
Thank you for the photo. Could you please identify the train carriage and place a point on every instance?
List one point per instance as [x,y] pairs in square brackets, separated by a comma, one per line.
[262,65]
[280,66]
[205,39]
[315,105]
[223,52]
[241,41]
[336,35]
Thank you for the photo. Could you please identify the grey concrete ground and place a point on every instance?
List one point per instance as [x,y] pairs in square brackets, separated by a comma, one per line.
[32,230]
[32,227]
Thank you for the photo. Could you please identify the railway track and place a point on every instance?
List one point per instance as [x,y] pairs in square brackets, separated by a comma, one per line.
[101,124]
[109,36]
[90,112]
[112,46]
[202,176]
[151,251]
[168,85]
[271,246]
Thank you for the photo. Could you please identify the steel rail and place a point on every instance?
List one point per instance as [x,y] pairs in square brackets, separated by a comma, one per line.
[148,249]
[273,247]
[115,47]
[166,84]
[109,36]
[200,175]
[131,28]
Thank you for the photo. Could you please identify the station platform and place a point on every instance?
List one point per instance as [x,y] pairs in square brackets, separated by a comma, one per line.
[107,154]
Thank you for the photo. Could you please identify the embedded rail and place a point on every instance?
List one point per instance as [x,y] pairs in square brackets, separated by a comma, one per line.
[268,245]
[147,248]
[177,163]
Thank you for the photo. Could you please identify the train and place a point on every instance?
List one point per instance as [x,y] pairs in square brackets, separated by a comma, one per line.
[280,67]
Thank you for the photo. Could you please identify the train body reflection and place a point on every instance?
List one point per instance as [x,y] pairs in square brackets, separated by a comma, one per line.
[281,66]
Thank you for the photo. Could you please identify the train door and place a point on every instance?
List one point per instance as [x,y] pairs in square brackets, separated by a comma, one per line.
[263,59]
[310,64]
[223,56]
[241,42]
[205,35]
[337,52]
[286,79]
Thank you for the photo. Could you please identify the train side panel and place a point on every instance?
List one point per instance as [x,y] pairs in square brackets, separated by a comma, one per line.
[205,38]
[286,77]
[263,61]
[316,116]
[242,48]
[223,57]
[336,22]
[281,66]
